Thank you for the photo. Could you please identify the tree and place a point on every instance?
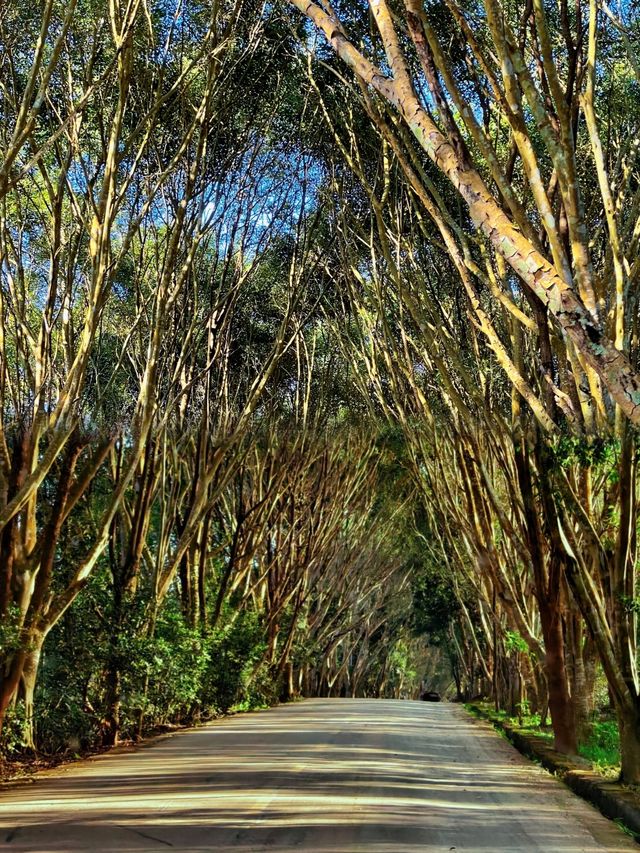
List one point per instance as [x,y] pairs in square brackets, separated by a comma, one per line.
[563,285]
[120,214]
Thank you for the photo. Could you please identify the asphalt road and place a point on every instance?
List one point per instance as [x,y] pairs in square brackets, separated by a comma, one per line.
[339,775]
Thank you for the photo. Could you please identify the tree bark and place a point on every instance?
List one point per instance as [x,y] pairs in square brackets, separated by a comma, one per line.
[548,581]
[28,685]
[560,704]
[629,725]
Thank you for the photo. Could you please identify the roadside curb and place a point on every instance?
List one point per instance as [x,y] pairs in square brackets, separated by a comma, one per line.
[612,799]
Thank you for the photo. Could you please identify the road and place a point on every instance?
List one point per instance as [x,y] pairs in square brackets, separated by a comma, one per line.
[320,775]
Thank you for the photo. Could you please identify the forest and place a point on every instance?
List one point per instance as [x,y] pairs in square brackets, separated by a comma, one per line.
[319,362]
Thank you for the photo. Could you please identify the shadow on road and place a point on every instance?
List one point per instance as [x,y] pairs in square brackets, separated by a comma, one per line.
[327,775]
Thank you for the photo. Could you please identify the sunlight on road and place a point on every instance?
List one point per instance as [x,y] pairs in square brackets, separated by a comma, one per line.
[375,776]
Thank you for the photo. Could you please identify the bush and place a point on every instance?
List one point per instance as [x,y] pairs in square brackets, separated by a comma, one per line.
[173,676]
[167,671]
[14,730]
[232,680]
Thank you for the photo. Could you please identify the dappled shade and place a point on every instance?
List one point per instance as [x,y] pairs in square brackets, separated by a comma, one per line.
[323,775]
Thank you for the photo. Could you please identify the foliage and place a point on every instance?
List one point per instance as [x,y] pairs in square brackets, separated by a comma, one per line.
[603,745]
[14,732]
[513,642]
[235,678]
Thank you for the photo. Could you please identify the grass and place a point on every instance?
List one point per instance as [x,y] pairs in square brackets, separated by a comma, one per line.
[603,746]
[627,830]
[526,723]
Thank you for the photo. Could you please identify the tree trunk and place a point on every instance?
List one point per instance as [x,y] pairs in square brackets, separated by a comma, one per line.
[579,686]
[9,685]
[629,724]
[113,697]
[560,705]
[113,701]
[27,687]
[548,574]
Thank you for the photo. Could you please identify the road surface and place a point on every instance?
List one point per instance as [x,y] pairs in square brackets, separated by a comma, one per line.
[320,775]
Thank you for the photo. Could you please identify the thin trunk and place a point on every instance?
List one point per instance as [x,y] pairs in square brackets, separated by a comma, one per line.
[579,684]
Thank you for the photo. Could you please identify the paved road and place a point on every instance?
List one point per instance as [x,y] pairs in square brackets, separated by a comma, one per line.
[321,775]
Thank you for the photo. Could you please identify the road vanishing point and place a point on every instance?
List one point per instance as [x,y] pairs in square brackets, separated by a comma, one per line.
[345,775]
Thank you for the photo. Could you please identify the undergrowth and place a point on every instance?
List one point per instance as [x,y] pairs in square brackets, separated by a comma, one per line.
[603,746]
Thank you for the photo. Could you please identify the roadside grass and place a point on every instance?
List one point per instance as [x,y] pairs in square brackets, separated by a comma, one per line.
[627,831]
[529,724]
[602,748]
